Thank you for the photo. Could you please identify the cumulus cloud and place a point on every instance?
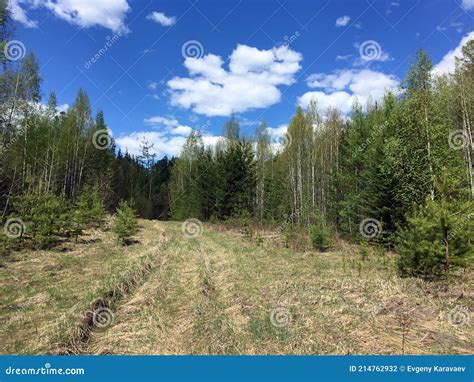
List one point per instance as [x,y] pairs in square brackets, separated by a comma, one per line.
[448,62]
[342,21]
[168,137]
[162,19]
[340,88]
[163,144]
[467,5]
[161,121]
[18,14]
[251,82]
[169,125]
[106,13]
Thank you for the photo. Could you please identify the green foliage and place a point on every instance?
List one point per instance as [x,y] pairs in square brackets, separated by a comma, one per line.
[319,234]
[437,239]
[125,224]
[45,216]
[320,237]
[91,207]
[245,222]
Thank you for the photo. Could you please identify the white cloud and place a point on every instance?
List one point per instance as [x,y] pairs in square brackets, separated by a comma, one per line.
[277,137]
[342,21]
[448,62]
[106,13]
[251,82]
[161,121]
[162,19]
[168,125]
[153,85]
[339,89]
[467,5]
[18,14]
[163,144]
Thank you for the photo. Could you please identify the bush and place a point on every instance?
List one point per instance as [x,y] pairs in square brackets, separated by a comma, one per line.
[320,237]
[91,206]
[436,240]
[45,216]
[125,224]
[318,233]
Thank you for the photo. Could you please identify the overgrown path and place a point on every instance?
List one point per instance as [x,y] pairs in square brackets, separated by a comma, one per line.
[221,293]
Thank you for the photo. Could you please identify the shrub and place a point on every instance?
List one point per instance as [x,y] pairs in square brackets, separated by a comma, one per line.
[125,224]
[45,216]
[436,239]
[320,237]
[318,233]
[91,206]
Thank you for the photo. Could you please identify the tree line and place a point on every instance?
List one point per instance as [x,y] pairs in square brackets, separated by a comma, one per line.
[397,172]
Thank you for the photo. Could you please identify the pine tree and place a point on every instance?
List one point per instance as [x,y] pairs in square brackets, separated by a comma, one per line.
[125,224]
[437,237]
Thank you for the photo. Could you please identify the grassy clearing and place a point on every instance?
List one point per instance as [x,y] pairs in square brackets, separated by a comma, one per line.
[45,294]
[221,293]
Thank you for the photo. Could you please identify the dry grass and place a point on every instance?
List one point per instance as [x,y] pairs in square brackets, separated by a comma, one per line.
[215,295]
[45,294]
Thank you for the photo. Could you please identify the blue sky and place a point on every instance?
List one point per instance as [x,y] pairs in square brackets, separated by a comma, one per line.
[161,68]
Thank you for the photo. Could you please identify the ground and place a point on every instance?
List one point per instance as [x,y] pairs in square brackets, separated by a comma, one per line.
[223,293]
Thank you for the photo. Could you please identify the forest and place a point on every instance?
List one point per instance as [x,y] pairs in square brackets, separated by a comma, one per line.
[349,234]
[397,173]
